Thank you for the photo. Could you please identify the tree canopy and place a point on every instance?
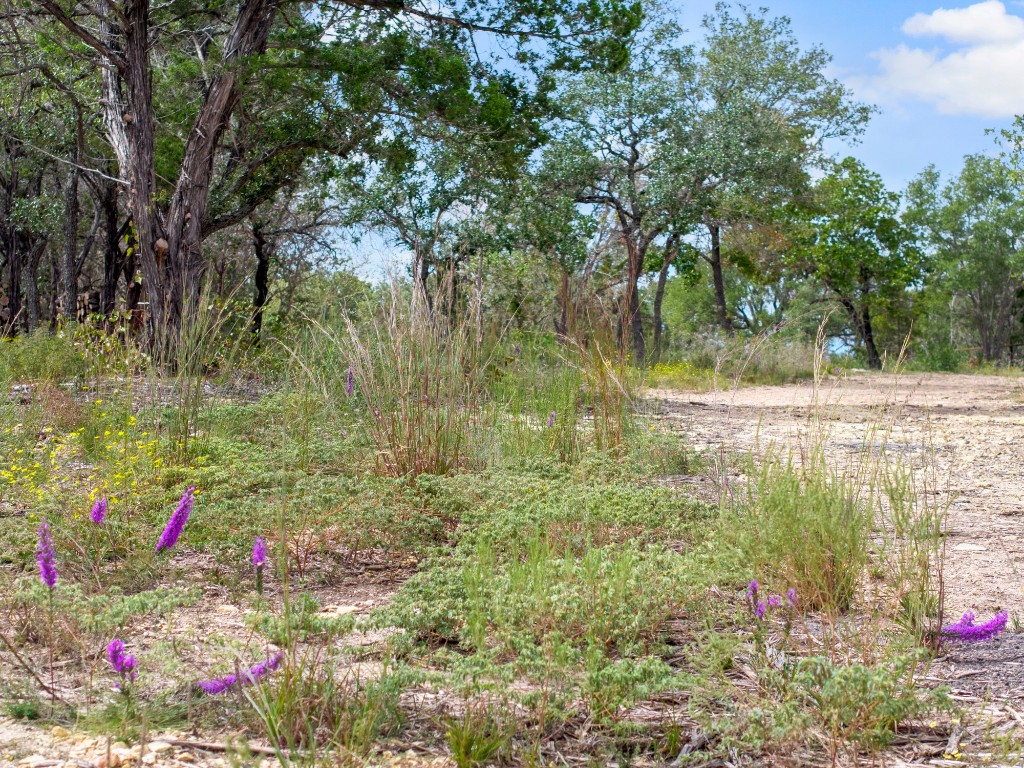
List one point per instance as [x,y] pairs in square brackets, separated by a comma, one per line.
[581,165]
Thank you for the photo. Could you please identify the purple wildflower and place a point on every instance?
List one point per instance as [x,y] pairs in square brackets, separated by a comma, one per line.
[115,651]
[350,381]
[775,601]
[46,556]
[99,510]
[123,664]
[551,418]
[761,609]
[791,597]
[177,521]
[752,589]
[251,675]
[259,552]
[259,559]
[966,631]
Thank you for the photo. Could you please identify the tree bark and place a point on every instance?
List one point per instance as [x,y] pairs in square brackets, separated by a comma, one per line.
[19,245]
[54,298]
[32,308]
[14,269]
[112,259]
[659,294]
[874,359]
[69,272]
[421,274]
[860,318]
[262,279]
[867,333]
[715,260]
[631,322]
[168,238]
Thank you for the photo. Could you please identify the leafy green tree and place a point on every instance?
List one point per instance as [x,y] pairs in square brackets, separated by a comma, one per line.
[612,154]
[680,140]
[423,194]
[534,220]
[766,107]
[210,108]
[974,227]
[857,246]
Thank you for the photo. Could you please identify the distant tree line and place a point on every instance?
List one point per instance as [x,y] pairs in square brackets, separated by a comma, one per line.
[561,166]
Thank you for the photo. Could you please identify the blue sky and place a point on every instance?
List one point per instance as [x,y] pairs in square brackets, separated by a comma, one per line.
[940,72]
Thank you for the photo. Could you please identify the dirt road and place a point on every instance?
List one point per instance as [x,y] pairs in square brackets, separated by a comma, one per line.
[970,427]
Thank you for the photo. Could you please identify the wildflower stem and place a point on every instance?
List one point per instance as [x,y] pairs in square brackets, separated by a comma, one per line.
[53,690]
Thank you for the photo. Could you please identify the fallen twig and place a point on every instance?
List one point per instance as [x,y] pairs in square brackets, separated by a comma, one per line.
[216,746]
[25,665]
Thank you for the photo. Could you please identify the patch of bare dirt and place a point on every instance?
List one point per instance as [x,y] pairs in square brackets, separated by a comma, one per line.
[970,428]
[970,431]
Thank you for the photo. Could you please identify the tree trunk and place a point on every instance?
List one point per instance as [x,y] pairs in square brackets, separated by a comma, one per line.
[69,273]
[861,321]
[133,291]
[715,261]
[631,322]
[868,336]
[421,274]
[262,279]
[112,260]
[169,239]
[32,308]
[15,265]
[54,298]
[659,294]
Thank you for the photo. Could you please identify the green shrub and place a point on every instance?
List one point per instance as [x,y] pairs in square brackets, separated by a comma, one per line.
[860,704]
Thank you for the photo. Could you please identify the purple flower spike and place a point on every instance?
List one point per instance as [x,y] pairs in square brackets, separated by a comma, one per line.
[251,675]
[966,631]
[115,651]
[791,597]
[551,418]
[259,552]
[122,664]
[174,526]
[99,510]
[761,609]
[128,667]
[218,685]
[350,381]
[47,557]
[775,601]
[752,589]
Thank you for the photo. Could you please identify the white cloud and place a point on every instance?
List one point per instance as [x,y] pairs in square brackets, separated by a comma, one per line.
[981,76]
[985,22]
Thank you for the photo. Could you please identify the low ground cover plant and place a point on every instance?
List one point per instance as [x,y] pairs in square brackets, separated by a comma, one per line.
[535,584]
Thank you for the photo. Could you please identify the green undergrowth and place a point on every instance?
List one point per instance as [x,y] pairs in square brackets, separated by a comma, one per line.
[548,577]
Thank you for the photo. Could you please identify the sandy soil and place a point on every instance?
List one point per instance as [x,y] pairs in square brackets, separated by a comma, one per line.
[969,429]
